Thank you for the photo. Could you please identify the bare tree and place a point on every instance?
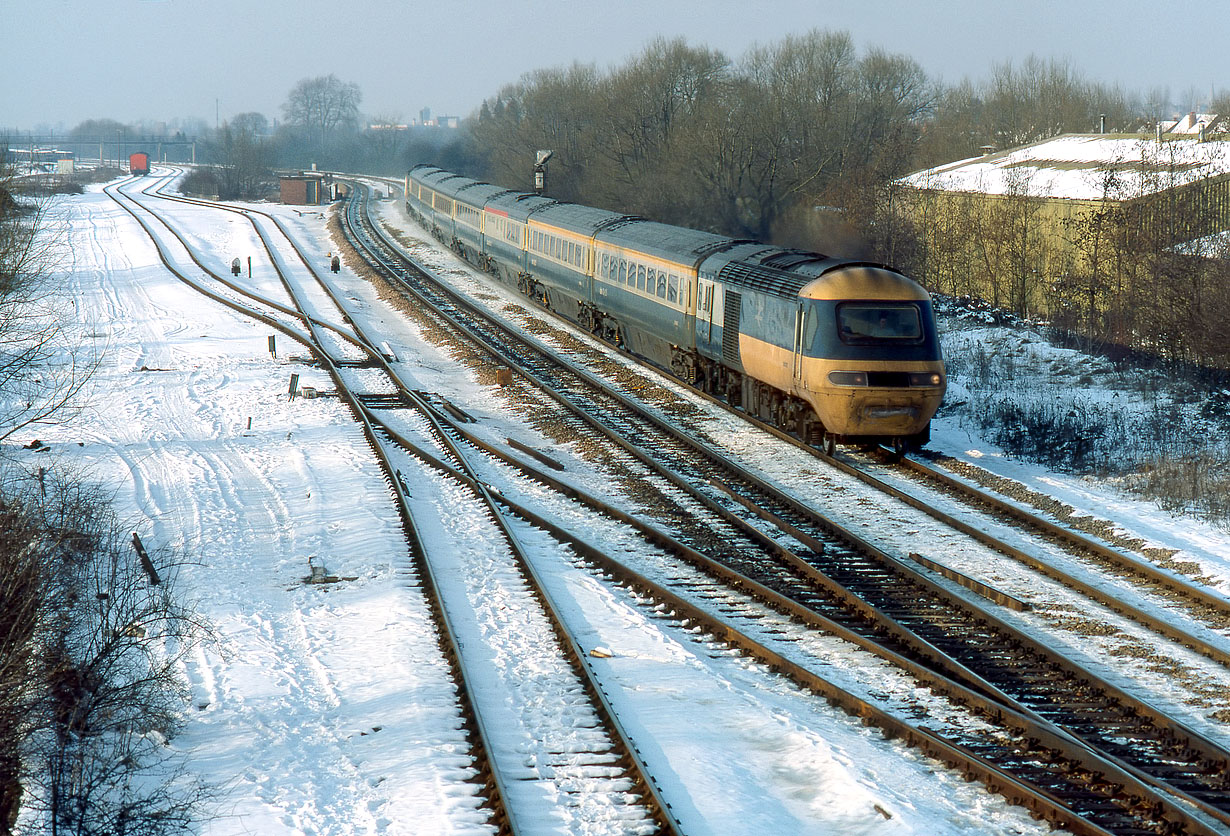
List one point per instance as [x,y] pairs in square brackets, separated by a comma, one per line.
[551,109]
[26,593]
[245,161]
[321,106]
[39,372]
[252,125]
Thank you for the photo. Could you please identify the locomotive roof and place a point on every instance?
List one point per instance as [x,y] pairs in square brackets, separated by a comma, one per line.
[857,280]
[794,273]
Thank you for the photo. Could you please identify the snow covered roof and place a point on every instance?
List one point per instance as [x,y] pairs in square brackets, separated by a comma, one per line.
[1076,167]
[1190,123]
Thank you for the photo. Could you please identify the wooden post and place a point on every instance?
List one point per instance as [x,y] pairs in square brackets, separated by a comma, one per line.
[146,563]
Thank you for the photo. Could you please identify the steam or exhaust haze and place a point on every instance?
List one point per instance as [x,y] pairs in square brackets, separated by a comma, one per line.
[161,60]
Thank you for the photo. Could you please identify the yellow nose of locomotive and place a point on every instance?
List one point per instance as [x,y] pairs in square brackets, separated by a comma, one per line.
[872,367]
[879,399]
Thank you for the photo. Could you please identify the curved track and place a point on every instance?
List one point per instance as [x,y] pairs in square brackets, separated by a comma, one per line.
[1002,661]
[601,764]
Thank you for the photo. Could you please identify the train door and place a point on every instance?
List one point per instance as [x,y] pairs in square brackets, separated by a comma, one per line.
[708,321]
[800,319]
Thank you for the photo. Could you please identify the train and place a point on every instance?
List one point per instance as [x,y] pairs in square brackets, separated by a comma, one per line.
[834,351]
[138,163]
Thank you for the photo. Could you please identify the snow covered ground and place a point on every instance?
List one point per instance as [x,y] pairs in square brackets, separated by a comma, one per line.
[327,709]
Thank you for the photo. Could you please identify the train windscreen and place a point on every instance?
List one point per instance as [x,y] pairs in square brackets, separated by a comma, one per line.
[862,323]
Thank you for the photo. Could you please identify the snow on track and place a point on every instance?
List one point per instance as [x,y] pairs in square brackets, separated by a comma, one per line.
[327,709]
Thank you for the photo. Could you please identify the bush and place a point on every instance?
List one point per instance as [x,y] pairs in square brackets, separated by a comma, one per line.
[89,652]
[1165,435]
[200,182]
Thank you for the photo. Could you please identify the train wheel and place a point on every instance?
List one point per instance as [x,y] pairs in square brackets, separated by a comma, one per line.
[830,444]
[899,447]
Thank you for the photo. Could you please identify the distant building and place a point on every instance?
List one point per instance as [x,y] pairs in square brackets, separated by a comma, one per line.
[1192,124]
[1031,211]
[307,189]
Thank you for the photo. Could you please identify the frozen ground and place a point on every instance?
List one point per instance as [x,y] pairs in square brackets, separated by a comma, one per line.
[327,710]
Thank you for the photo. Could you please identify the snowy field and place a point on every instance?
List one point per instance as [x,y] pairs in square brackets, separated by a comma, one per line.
[327,709]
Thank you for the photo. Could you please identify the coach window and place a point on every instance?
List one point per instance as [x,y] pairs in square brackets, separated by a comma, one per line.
[640,277]
[661,285]
[672,288]
[623,271]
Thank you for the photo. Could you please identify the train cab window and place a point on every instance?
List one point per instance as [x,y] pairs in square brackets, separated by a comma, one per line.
[861,323]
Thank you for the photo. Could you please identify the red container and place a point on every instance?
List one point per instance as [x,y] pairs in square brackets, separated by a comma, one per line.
[138,163]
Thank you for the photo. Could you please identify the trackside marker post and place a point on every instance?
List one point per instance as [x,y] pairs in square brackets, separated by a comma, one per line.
[146,563]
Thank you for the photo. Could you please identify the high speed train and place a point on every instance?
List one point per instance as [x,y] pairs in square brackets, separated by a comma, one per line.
[832,350]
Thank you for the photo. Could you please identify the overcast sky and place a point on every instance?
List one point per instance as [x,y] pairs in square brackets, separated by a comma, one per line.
[65,61]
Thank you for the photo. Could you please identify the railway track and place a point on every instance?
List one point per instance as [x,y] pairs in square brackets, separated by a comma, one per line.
[1159,763]
[584,762]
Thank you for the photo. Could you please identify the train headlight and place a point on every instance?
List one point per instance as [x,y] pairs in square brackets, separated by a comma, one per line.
[848,378]
[926,378]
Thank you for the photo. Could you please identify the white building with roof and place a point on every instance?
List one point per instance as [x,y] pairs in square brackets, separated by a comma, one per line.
[1010,225]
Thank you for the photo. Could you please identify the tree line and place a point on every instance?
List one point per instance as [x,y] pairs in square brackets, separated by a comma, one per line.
[802,142]
[799,143]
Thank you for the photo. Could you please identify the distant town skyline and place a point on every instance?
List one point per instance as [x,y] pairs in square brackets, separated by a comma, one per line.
[168,60]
